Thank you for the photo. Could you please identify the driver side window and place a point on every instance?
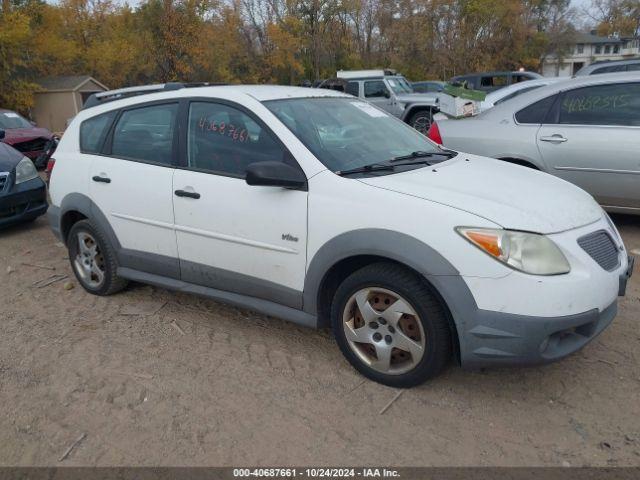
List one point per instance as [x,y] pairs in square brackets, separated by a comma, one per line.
[375,88]
[223,139]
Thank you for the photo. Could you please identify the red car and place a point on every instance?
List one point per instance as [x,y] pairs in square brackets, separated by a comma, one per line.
[30,140]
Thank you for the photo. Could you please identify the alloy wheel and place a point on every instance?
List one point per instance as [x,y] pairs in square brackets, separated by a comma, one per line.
[89,261]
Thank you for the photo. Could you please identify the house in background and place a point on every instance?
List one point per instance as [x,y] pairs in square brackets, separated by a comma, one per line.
[61,98]
[588,48]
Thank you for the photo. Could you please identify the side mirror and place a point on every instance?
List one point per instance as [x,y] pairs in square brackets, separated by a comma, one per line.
[275,174]
[2,134]
[33,123]
[386,94]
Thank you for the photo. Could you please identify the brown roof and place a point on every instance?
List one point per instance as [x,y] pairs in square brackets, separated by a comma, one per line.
[65,83]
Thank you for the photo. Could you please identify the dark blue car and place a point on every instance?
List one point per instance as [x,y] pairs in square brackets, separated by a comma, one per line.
[23,194]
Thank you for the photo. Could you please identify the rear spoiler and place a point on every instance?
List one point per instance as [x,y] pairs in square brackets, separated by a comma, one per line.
[112,95]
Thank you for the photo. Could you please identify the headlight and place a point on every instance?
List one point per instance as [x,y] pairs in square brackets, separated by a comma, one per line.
[613,227]
[528,252]
[25,171]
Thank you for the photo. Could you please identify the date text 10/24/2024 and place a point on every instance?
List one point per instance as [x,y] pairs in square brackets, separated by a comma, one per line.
[320,472]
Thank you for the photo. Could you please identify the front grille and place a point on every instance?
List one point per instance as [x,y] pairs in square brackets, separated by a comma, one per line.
[33,145]
[4,180]
[601,248]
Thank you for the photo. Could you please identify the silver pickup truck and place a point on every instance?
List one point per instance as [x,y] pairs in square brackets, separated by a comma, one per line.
[393,93]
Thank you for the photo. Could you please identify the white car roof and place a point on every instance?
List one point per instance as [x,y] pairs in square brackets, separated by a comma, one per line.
[264,93]
[260,93]
[532,96]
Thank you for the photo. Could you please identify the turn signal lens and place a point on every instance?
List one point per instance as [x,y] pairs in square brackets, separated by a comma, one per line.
[527,252]
[489,242]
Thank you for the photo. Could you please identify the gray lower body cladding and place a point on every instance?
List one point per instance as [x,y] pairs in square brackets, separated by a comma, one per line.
[486,338]
[504,339]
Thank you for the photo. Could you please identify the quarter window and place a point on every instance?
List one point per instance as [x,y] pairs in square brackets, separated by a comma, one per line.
[616,104]
[610,69]
[146,134]
[536,112]
[93,132]
[225,140]
[375,88]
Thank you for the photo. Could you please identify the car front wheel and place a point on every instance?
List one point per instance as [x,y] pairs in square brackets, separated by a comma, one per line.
[390,326]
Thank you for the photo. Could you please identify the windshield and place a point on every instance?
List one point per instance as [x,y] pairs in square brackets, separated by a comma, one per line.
[347,133]
[9,120]
[399,85]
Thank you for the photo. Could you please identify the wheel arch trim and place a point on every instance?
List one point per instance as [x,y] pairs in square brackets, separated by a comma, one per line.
[398,247]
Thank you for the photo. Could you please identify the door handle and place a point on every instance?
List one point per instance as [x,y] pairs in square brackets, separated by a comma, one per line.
[185,193]
[553,139]
[100,179]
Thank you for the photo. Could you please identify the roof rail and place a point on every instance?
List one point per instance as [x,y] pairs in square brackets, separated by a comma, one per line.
[111,95]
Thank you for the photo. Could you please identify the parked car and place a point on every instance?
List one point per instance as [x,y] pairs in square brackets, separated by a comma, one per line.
[23,195]
[23,135]
[499,96]
[610,66]
[317,207]
[428,86]
[490,81]
[392,92]
[584,130]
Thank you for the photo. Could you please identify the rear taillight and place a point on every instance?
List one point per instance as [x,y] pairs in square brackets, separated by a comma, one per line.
[47,171]
[434,133]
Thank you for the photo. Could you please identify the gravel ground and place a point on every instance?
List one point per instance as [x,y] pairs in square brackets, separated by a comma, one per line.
[151,377]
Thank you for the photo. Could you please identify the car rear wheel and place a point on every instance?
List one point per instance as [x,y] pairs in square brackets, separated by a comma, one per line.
[421,121]
[93,260]
[390,326]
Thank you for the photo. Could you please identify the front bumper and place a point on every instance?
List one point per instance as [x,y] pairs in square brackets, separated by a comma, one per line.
[23,202]
[624,277]
[497,338]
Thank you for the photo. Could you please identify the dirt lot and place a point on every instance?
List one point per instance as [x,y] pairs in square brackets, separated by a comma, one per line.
[157,378]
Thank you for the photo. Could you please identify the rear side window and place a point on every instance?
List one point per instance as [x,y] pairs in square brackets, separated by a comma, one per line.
[610,69]
[223,139]
[536,112]
[633,67]
[146,134]
[614,104]
[93,132]
[516,93]
[353,88]
[494,81]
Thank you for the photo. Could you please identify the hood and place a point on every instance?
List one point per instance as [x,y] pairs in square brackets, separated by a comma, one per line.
[9,157]
[17,135]
[511,196]
[417,97]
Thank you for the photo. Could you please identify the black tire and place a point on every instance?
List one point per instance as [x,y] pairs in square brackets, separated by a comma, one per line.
[111,283]
[411,287]
[422,120]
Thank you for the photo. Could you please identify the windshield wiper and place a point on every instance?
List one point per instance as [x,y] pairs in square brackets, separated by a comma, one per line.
[421,154]
[373,167]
